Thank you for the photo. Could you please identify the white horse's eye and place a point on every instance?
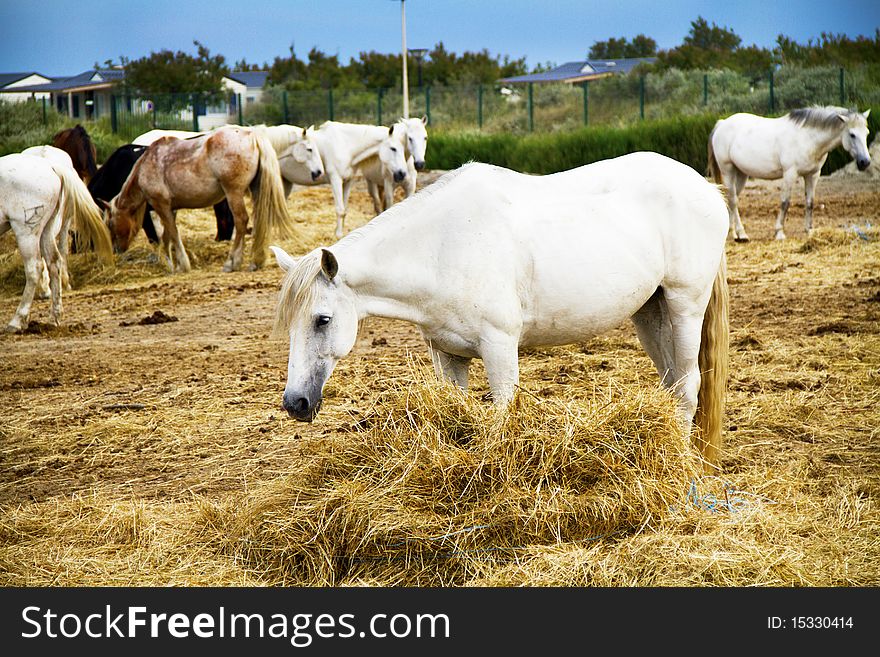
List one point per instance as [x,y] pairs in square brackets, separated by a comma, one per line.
[322,320]
[393,149]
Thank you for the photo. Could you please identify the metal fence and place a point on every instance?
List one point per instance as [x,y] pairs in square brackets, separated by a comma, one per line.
[617,101]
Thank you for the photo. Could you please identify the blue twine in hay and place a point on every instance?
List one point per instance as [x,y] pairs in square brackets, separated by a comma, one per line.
[733,501]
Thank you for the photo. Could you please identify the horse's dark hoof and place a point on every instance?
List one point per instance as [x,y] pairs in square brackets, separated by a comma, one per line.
[741,240]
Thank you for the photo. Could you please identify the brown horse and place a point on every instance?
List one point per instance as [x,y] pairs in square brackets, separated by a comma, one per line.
[77,143]
[197,173]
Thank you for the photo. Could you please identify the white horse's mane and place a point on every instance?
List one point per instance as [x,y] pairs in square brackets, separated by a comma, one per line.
[297,288]
[823,118]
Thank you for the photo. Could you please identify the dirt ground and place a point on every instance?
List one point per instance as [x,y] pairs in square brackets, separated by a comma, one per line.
[162,390]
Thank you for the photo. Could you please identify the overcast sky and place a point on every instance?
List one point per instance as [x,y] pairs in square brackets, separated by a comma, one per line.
[57,37]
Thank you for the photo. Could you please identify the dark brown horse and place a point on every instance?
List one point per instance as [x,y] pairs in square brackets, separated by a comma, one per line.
[77,143]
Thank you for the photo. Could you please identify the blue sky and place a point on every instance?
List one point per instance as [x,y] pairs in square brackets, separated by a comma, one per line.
[57,37]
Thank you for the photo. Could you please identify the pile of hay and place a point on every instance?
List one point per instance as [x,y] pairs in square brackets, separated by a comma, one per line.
[439,488]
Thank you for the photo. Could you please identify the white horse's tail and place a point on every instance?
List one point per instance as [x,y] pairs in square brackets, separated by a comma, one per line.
[713,363]
[270,204]
[712,166]
[84,213]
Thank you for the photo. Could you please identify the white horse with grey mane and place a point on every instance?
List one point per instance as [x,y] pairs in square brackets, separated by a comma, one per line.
[796,145]
[487,261]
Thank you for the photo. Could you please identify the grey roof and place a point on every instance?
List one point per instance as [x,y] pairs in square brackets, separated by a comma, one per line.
[583,70]
[9,78]
[250,78]
[92,77]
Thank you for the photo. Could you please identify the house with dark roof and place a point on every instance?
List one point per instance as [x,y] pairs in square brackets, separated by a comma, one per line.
[83,96]
[87,96]
[11,85]
[582,71]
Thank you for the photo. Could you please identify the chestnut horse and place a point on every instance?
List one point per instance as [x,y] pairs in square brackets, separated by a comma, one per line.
[196,173]
[77,143]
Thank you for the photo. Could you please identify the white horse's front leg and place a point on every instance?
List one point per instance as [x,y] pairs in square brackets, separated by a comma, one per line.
[787,183]
[500,354]
[810,181]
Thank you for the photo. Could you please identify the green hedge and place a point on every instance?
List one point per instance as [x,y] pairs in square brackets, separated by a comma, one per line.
[683,138]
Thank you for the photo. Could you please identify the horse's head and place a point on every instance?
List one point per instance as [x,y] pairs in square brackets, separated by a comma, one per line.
[317,310]
[392,155]
[855,137]
[305,151]
[122,221]
[416,140]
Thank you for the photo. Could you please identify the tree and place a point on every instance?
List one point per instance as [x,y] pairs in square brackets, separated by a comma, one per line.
[704,46]
[640,46]
[169,72]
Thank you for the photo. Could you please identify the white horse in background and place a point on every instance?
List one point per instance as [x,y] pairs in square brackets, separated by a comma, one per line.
[488,261]
[386,169]
[381,179]
[342,147]
[39,195]
[796,145]
[289,141]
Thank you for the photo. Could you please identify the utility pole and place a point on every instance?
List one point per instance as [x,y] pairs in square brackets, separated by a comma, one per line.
[403,52]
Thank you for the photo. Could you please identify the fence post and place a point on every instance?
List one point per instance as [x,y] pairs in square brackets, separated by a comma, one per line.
[330,103]
[586,87]
[114,120]
[480,107]
[642,97]
[195,105]
[379,106]
[772,99]
[705,88]
[240,109]
[46,118]
[842,89]
[531,108]
[428,103]
[284,108]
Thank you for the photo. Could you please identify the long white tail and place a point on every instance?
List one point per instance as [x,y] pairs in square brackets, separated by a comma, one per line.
[82,211]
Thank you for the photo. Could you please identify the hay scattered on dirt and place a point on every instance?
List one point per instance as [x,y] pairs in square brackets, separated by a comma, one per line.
[157,455]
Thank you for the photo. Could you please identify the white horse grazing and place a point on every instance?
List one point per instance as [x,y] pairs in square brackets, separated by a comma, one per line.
[38,196]
[387,168]
[487,261]
[789,147]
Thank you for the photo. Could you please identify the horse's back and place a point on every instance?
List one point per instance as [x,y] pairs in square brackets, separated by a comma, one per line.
[27,181]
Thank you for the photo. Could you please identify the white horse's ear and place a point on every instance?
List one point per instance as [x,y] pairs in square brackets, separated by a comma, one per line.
[285,261]
[329,265]
[305,130]
[425,119]
[311,127]
[866,112]
[391,129]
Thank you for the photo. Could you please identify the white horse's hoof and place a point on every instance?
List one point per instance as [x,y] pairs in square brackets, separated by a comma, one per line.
[741,239]
[780,235]
[254,267]
[12,328]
